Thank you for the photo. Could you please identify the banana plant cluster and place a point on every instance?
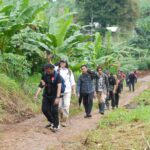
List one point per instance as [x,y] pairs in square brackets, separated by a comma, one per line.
[14,18]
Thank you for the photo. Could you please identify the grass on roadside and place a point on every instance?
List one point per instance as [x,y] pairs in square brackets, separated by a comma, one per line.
[123,128]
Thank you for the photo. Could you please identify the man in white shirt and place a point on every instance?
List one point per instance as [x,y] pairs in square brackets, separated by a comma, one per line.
[64,104]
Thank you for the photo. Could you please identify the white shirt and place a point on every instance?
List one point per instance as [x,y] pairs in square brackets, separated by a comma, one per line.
[69,79]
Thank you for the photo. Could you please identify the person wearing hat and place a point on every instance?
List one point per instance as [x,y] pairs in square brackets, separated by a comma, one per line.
[68,77]
[51,95]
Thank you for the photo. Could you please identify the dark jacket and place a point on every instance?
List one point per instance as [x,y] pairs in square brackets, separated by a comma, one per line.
[132,78]
[85,84]
[50,88]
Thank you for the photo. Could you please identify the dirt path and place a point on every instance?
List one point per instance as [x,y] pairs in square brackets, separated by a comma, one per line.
[31,134]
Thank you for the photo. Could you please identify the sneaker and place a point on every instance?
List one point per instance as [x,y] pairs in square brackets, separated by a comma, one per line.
[88,116]
[55,129]
[49,125]
[102,113]
[52,127]
[64,124]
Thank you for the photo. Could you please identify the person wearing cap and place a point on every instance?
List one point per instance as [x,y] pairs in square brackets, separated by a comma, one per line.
[51,96]
[68,77]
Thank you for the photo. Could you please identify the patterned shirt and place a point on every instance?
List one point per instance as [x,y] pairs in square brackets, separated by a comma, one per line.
[85,84]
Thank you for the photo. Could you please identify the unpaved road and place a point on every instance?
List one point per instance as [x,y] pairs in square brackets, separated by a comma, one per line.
[31,134]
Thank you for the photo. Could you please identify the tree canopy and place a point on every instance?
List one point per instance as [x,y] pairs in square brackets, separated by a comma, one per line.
[108,12]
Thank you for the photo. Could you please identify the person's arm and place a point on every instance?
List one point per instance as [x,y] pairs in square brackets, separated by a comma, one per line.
[116,86]
[78,86]
[58,94]
[107,83]
[72,80]
[37,93]
[58,90]
[40,87]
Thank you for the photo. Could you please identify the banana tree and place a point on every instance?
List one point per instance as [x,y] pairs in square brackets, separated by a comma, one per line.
[64,40]
[14,18]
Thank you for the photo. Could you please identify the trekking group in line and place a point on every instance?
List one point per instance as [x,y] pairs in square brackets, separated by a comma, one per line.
[58,84]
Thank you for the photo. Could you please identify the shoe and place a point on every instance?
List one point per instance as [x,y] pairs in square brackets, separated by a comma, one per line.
[49,125]
[64,124]
[55,129]
[52,127]
[88,116]
[102,113]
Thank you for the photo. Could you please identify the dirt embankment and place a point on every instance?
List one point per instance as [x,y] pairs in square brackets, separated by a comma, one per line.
[14,107]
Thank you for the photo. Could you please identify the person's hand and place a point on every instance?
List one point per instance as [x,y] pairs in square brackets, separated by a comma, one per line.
[43,83]
[35,97]
[56,102]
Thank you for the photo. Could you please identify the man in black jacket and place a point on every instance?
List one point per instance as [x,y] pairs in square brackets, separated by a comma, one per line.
[132,79]
[85,88]
[51,95]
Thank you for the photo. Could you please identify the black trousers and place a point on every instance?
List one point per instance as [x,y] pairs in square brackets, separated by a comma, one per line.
[88,102]
[116,99]
[131,85]
[80,99]
[50,111]
[112,98]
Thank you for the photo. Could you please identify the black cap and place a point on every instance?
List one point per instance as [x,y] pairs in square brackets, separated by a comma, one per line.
[51,66]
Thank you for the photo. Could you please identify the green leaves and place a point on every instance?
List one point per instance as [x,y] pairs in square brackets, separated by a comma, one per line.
[28,14]
[98,46]
[59,26]
[14,66]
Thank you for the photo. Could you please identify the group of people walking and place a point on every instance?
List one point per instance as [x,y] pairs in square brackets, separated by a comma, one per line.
[59,84]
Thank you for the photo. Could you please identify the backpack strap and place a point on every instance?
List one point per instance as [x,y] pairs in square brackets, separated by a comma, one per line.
[55,75]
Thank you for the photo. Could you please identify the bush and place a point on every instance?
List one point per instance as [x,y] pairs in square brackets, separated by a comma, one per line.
[142,66]
[148,63]
[15,66]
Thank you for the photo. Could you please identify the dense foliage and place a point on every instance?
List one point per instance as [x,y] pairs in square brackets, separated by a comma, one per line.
[27,29]
[108,12]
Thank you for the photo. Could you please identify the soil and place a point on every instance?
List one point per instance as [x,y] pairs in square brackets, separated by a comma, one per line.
[31,134]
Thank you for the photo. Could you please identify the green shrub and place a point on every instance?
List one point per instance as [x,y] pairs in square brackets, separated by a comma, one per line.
[15,66]
[148,63]
[142,66]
